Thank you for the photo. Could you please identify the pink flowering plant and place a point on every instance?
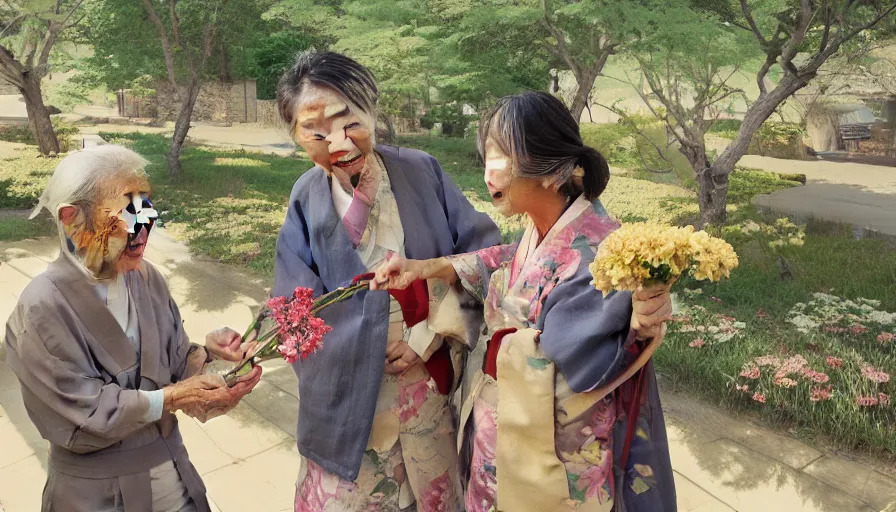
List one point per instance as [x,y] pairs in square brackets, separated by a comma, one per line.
[289,327]
[825,365]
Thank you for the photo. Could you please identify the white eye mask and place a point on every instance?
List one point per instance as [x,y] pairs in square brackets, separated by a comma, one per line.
[138,213]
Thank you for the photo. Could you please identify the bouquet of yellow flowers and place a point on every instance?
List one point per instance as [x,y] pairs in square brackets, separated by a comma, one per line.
[640,254]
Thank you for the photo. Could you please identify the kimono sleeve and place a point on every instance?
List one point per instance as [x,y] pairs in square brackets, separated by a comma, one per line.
[585,333]
[294,264]
[58,371]
[474,269]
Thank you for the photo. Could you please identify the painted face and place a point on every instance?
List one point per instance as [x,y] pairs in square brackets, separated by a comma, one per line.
[499,178]
[112,237]
[335,134]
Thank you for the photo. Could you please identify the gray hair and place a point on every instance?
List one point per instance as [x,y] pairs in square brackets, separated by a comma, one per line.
[79,177]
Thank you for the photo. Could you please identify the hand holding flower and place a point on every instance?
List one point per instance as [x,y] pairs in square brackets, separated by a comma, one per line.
[651,308]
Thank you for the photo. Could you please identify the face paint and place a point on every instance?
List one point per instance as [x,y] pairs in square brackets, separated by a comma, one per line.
[499,178]
[110,238]
[336,135]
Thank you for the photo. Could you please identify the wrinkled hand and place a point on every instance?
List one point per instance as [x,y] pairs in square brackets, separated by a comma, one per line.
[207,396]
[399,357]
[397,272]
[224,344]
[651,308]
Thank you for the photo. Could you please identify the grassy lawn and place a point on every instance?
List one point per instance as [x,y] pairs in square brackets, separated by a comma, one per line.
[833,347]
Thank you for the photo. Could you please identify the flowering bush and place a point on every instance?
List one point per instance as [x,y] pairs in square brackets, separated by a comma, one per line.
[782,232]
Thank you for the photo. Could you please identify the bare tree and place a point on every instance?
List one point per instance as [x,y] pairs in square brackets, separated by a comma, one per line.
[28,33]
[194,55]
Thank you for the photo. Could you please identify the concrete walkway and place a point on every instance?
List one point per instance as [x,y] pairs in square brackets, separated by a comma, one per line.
[853,193]
[721,462]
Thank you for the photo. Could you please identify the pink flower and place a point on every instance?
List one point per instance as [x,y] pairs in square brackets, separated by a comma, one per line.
[786,383]
[767,361]
[301,333]
[820,394]
[726,318]
[716,299]
[698,343]
[750,373]
[833,329]
[681,319]
[759,397]
[866,401]
[794,364]
[886,337]
[858,329]
[883,399]
[814,376]
[760,313]
[834,362]
[875,375]
[745,388]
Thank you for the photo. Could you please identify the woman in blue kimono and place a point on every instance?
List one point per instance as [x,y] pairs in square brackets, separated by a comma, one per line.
[545,424]
[375,429]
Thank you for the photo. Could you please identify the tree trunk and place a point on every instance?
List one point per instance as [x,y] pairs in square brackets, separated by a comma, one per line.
[713,180]
[38,115]
[181,127]
[580,98]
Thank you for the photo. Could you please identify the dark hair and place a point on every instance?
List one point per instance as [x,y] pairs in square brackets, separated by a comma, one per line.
[542,139]
[334,70]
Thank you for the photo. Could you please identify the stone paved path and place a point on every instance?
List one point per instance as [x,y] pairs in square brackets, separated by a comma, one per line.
[722,463]
[853,193]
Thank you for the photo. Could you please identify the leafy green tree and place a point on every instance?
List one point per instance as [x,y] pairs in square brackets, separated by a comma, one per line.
[183,42]
[795,38]
[30,31]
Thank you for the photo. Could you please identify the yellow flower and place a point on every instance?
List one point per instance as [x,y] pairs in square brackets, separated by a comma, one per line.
[637,253]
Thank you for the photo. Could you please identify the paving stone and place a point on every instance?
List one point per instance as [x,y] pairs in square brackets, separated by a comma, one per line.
[860,481]
[31,266]
[15,447]
[781,448]
[692,498]
[21,485]
[747,481]
[243,433]
[204,453]
[275,405]
[265,482]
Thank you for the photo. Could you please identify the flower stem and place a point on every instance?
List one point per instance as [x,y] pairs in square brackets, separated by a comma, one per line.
[268,340]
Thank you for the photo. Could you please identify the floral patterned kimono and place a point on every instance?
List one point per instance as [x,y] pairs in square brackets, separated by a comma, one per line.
[531,427]
[410,453]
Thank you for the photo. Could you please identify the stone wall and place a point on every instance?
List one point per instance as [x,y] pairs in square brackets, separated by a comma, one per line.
[213,103]
[268,115]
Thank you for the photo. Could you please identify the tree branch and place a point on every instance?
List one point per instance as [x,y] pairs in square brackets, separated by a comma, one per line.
[166,45]
[750,21]
[792,46]
[763,72]
[561,42]
[11,69]
[11,24]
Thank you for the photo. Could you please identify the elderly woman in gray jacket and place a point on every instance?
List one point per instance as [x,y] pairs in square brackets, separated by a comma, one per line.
[99,348]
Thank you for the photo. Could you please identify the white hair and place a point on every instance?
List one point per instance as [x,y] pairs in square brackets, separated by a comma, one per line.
[79,177]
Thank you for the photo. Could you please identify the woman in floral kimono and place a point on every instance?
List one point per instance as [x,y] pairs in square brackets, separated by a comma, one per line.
[545,425]
[375,430]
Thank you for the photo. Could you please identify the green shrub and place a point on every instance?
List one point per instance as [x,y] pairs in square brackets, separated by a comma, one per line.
[454,121]
[66,134]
